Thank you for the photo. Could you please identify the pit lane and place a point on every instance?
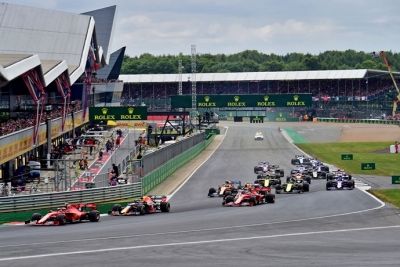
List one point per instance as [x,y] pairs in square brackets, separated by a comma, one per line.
[315,216]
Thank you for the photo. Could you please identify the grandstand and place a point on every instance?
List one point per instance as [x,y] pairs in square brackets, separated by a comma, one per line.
[43,56]
[347,93]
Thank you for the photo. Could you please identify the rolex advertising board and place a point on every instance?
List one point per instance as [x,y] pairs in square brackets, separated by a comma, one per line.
[117,113]
[243,101]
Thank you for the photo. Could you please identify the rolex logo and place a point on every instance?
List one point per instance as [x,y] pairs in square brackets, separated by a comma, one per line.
[296,97]
[236,98]
[207,98]
[280,114]
[104,111]
[130,110]
[266,98]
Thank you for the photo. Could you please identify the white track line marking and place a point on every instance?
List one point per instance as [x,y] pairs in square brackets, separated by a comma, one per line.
[197,242]
[193,172]
[192,231]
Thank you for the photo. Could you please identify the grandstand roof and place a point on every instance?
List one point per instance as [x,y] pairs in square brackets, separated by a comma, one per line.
[255,76]
[54,41]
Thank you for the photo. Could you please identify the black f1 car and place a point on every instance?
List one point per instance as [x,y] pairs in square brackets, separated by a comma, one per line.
[146,204]
[293,185]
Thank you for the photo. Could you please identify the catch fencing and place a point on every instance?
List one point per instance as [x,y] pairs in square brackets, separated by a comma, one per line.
[157,176]
[152,161]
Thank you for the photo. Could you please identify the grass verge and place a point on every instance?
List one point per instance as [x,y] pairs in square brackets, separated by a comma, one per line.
[391,196]
[363,152]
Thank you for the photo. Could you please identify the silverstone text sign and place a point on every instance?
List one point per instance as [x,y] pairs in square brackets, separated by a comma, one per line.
[396,180]
[117,113]
[367,166]
[347,156]
[236,101]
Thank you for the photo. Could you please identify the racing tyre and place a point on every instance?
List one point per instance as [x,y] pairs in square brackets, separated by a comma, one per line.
[329,177]
[270,198]
[165,206]
[282,172]
[306,187]
[36,217]
[227,193]
[308,179]
[141,209]
[288,179]
[278,182]
[229,199]
[94,215]
[61,219]
[211,192]
[255,169]
[352,185]
[327,187]
[253,201]
[117,208]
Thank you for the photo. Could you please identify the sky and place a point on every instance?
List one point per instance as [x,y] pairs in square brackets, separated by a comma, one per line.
[162,27]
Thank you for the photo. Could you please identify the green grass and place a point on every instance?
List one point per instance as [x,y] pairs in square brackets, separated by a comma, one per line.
[388,195]
[363,152]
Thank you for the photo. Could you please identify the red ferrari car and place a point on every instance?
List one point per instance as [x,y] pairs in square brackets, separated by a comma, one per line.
[69,213]
[249,197]
[146,204]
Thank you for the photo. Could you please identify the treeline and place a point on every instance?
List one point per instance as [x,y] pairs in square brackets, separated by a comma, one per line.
[254,61]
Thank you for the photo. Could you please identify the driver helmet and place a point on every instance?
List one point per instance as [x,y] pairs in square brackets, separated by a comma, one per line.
[227,182]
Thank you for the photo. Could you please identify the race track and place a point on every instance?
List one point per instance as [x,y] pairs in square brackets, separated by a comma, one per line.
[317,228]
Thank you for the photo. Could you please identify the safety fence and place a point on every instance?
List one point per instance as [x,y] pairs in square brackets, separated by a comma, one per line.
[158,157]
[98,190]
[369,121]
[52,200]
[157,176]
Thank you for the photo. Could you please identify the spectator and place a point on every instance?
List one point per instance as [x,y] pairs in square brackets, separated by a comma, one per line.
[396,146]
[86,163]
[115,168]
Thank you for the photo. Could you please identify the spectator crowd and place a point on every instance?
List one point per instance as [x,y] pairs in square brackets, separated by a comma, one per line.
[27,119]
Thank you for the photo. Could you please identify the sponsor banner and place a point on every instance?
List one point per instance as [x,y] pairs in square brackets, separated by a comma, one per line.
[117,113]
[234,101]
[138,124]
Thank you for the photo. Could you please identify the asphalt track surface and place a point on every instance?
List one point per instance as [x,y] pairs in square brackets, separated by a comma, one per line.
[317,228]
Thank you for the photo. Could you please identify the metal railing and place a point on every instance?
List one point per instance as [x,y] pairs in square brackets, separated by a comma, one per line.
[51,200]
[105,193]
[157,158]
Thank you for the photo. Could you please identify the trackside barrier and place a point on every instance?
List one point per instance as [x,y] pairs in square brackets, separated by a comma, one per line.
[369,121]
[152,161]
[54,200]
[157,176]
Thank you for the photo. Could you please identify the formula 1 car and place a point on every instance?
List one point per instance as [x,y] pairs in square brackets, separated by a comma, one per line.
[293,185]
[69,213]
[146,204]
[336,173]
[225,189]
[340,182]
[318,171]
[300,159]
[267,180]
[298,174]
[261,166]
[259,136]
[248,198]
